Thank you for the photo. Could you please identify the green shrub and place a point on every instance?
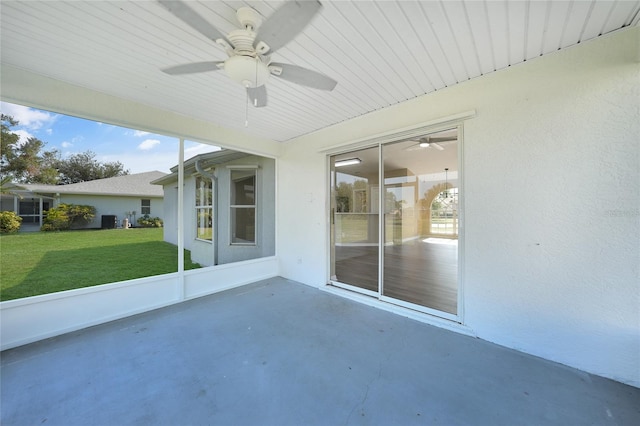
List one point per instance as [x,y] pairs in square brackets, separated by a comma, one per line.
[67,216]
[56,219]
[150,222]
[49,227]
[9,222]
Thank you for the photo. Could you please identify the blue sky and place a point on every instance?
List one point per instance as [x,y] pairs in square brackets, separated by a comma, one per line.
[139,151]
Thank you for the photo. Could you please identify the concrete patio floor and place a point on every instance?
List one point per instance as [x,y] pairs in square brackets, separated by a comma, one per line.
[278,352]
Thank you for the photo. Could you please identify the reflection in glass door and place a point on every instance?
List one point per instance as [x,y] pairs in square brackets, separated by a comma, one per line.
[354,219]
[421,222]
[418,245]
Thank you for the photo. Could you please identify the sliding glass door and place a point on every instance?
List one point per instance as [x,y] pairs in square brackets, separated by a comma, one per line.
[420,260]
[354,219]
[409,254]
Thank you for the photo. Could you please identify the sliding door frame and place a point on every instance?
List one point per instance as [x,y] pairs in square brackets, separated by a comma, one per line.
[452,122]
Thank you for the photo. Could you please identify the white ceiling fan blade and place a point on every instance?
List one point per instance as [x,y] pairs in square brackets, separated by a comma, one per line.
[302,76]
[194,67]
[442,139]
[258,96]
[430,142]
[285,23]
[190,17]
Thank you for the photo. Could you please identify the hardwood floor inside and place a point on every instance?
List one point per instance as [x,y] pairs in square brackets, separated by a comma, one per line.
[422,271]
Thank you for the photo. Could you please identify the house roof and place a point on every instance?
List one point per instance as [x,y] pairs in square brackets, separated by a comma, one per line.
[381,53]
[206,160]
[135,185]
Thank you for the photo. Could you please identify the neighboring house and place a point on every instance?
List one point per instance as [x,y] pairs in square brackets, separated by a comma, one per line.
[115,199]
[229,207]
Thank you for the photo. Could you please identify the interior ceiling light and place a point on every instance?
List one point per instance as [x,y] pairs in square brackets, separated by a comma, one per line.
[348,162]
[424,142]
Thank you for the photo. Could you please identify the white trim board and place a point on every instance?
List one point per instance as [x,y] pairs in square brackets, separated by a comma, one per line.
[430,126]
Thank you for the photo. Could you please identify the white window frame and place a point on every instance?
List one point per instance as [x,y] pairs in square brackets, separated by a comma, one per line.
[198,209]
[253,206]
[142,206]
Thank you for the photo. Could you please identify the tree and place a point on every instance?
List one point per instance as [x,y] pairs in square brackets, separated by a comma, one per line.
[8,138]
[345,193]
[28,162]
[49,164]
[6,188]
[84,167]
[23,162]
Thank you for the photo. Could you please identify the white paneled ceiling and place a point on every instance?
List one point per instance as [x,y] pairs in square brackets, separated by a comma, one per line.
[381,53]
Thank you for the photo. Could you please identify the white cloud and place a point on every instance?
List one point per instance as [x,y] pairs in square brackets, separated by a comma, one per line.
[199,149]
[66,144]
[148,144]
[140,133]
[27,117]
[23,136]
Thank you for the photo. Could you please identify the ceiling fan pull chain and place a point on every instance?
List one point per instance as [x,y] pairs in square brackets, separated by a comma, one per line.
[255,99]
[246,111]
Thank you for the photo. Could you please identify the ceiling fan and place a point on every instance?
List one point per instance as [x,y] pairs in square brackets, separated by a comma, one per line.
[431,142]
[249,48]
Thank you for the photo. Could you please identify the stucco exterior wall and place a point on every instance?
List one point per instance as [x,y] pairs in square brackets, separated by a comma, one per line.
[555,149]
[118,206]
[265,226]
[203,252]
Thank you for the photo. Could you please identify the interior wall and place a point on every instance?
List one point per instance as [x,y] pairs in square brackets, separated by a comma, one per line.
[551,166]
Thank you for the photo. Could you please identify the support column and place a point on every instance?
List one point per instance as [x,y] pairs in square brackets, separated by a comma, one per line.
[180,219]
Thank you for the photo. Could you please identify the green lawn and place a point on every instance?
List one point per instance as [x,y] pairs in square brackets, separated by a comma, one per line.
[46,262]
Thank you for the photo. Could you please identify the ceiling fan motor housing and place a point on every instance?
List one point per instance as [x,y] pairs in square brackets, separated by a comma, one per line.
[249,17]
[247,70]
[242,41]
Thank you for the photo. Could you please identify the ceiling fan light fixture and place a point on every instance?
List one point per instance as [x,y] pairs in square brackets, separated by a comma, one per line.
[424,144]
[246,70]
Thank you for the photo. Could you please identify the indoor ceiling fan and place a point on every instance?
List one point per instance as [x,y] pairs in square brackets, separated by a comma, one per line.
[249,48]
[431,142]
